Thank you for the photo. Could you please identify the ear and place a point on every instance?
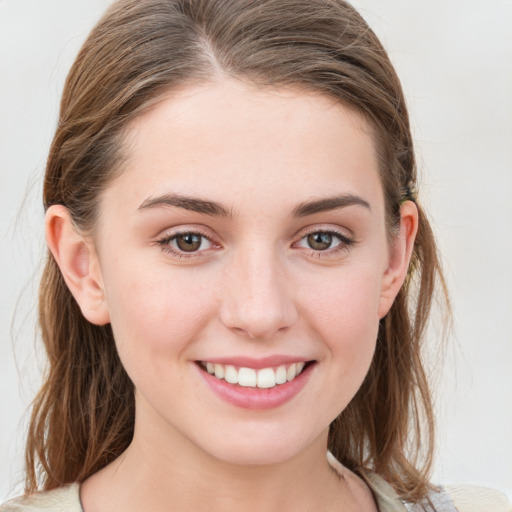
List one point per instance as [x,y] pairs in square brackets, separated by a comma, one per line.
[78,263]
[399,258]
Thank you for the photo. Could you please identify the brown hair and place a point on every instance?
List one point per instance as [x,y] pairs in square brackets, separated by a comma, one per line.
[83,416]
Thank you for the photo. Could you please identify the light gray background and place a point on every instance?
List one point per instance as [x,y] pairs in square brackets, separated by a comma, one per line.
[455,60]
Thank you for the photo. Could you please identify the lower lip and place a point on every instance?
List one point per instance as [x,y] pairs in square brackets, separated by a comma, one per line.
[257,398]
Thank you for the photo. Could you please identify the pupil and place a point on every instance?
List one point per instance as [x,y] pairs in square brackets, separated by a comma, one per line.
[320,241]
[189,242]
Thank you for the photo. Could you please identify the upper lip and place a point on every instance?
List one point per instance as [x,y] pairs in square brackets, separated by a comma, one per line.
[257,363]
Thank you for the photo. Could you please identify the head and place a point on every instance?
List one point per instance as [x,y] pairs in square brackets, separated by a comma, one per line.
[139,55]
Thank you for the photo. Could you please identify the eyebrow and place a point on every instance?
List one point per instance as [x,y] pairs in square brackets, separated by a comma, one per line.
[216,209]
[328,204]
[188,203]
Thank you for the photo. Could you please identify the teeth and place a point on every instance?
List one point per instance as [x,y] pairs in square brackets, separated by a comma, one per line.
[292,372]
[281,375]
[231,375]
[266,378]
[219,371]
[248,377]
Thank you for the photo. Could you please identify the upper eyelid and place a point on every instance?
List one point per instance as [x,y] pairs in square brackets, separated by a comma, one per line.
[167,236]
[177,231]
[346,240]
[165,244]
[342,232]
[170,233]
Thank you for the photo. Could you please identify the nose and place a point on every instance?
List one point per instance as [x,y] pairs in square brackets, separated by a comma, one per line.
[257,299]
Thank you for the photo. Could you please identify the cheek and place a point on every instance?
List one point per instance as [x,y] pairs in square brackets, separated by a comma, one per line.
[154,313]
[343,311]
[345,302]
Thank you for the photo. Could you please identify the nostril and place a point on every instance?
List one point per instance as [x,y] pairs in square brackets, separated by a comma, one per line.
[258,324]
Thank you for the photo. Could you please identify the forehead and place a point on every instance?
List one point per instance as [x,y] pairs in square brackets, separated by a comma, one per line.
[230,138]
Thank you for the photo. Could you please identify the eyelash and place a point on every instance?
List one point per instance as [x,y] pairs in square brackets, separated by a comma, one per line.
[344,244]
[166,241]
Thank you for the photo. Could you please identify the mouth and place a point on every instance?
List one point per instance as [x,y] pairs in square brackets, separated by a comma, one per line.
[262,378]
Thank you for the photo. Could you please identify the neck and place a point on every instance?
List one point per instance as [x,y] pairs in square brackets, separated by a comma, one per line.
[185,478]
[164,470]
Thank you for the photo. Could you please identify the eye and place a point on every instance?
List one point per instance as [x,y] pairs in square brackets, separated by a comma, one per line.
[321,241]
[327,241]
[185,243]
[190,242]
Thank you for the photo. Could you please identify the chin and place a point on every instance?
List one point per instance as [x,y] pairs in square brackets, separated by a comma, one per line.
[254,450]
[255,456]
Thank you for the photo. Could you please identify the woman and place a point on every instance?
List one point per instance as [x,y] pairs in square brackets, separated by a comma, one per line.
[240,272]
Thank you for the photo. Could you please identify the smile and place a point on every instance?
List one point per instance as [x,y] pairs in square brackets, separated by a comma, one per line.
[264,378]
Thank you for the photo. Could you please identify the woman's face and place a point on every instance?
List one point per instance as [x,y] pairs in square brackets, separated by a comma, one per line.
[246,238]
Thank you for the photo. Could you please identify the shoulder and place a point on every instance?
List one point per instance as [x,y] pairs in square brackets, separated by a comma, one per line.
[63,499]
[455,498]
[473,498]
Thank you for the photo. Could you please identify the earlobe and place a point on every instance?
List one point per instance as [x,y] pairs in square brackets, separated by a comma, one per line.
[78,263]
[400,257]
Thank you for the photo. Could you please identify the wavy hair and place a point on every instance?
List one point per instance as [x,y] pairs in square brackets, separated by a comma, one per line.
[83,416]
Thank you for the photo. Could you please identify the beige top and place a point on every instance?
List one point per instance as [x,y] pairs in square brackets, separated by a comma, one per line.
[455,499]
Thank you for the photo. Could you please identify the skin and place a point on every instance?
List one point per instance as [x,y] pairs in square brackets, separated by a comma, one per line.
[255,288]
